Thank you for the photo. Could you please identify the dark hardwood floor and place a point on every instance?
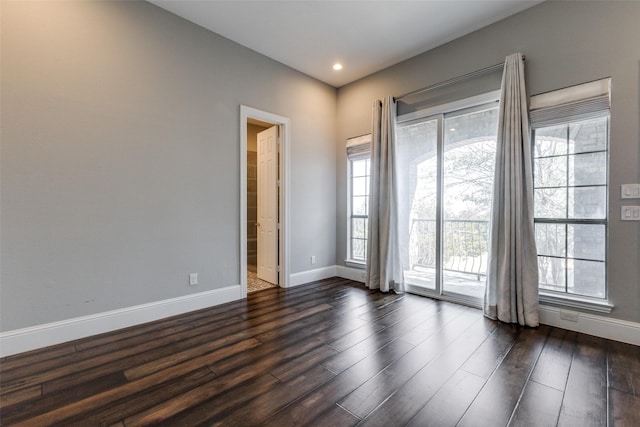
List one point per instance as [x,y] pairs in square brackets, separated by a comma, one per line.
[330,353]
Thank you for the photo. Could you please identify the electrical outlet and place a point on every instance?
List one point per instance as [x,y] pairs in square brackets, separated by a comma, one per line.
[193,279]
[313,259]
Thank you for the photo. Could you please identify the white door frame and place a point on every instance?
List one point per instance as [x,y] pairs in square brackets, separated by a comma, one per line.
[283,206]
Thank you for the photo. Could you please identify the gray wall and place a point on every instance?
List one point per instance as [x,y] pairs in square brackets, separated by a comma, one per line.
[120,157]
[565,43]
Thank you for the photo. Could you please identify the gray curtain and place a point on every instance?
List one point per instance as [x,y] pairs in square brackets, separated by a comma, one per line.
[384,270]
[512,278]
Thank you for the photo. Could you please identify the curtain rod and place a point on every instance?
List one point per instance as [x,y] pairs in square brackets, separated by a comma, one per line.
[453,80]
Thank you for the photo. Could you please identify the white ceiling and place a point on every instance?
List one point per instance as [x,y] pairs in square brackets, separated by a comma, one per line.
[365,36]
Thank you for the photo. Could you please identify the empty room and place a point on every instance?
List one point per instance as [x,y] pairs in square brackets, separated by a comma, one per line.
[323,213]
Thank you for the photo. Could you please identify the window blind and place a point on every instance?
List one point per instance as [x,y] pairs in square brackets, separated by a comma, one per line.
[580,102]
[359,145]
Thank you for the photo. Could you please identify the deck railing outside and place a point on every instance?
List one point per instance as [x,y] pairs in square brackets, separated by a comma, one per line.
[465,245]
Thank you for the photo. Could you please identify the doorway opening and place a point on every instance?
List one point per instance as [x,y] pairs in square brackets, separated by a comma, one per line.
[264,200]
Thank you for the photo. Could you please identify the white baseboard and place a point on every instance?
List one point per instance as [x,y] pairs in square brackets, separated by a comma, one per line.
[592,324]
[587,323]
[20,340]
[350,273]
[312,275]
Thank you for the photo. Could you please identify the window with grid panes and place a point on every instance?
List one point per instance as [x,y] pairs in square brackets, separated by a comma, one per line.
[359,206]
[570,191]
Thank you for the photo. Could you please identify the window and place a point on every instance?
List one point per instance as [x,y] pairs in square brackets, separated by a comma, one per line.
[570,199]
[359,155]
[359,212]
[570,167]
[445,175]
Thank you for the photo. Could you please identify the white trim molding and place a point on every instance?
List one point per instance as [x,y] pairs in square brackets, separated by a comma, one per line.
[358,265]
[578,321]
[485,98]
[312,275]
[31,338]
[355,274]
[591,324]
[351,273]
[598,306]
[284,124]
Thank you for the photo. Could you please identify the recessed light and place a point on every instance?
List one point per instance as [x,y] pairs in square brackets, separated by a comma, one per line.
[452,130]
[337,66]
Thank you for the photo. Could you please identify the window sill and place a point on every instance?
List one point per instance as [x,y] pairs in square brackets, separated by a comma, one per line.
[355,264]
[599,306]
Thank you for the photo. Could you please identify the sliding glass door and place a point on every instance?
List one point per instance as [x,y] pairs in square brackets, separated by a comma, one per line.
[418,200]
[468,169]
[446,168]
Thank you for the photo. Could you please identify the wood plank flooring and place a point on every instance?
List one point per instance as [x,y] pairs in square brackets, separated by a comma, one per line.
[330,353]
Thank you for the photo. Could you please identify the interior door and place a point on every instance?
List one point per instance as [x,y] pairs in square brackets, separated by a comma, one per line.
[268,205]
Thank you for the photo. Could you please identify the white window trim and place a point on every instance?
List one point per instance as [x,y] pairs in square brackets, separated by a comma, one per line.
[441,112]
[350,158]
[562,299]
[599,91]
[575,301]
[451,107]
[355,264]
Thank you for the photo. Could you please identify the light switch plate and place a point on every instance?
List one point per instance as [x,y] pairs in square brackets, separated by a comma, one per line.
[630,213]
[630,191]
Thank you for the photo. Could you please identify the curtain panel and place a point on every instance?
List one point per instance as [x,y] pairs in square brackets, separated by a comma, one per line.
[511,293]
[384,269]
